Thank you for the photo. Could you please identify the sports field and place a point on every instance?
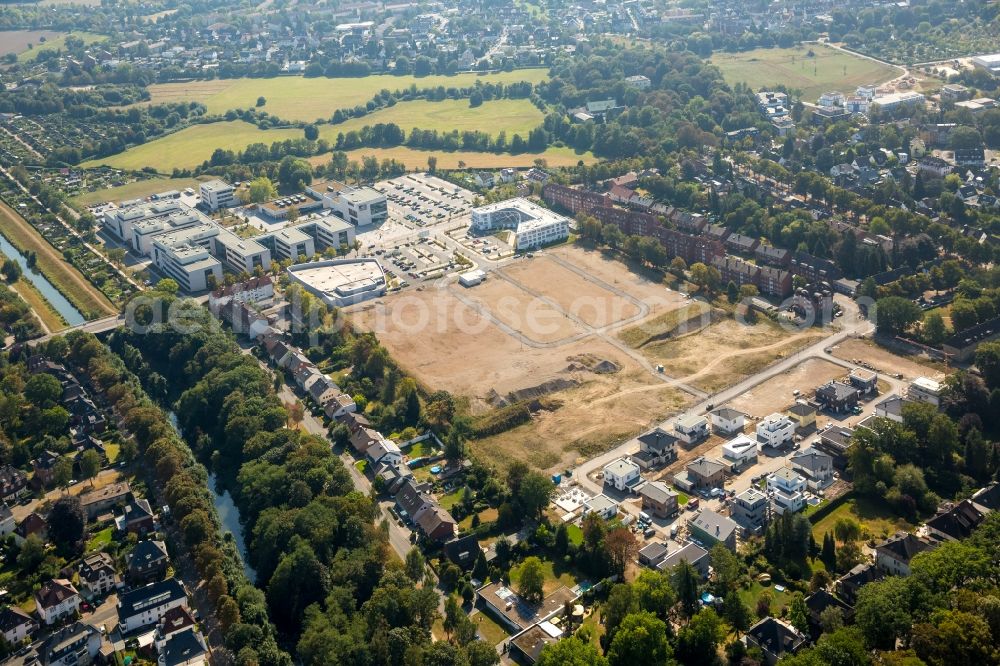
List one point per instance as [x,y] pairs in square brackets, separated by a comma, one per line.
[828,69]
[554,156]
[513,116]
[299,98]
[193,145]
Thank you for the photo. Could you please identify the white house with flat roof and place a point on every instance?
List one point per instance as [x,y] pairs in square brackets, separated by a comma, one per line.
[532,225]
[622,474]
[216,194]
[602,505]
[740,450]
[925,389]
[786,488]
[775,430]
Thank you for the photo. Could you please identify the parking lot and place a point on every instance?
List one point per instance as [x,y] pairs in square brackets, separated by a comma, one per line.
[420,201]
[423,258]
[490,246]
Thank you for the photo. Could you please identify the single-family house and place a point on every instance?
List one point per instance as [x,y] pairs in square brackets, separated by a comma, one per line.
[339,406]
[323,390]
[957,523]
[517,614]
[174,621]
[32,524]
[306,375]
[865,380]
[691,429]
[436,523]
[691,553]
[835,440]
[775,639]
[144,606]
[184,648]
[463,551]
[137,518]
[892,407]
[658,499]
[56,599]
[837,396]
[803,414]
[98,575]
[16,625]
[622,474]
[775,430]
[602,505]
[656,449]
[705,472]
[751,510]
[652,554]
[363,438]
[13,482]
[740,452]
[384,451]
[105,499]
[786,488]
[820,601]
[411,498]
[925,389]
[727,420]
[815,466]
[893,555]
[147,562]
[711,528]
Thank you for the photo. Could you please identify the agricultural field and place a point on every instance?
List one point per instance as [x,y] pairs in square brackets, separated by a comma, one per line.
[299,98]
[17,41]
[136,190]
[192,145]
[53,44]
[827,69]
[554,156]
[535,331]
[64,277]
[513,116]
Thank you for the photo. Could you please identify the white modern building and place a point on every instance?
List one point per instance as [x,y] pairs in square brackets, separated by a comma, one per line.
[691,429]
[291,243]
[191,266]
[989,62]
[341,282]
[216,194]
[602,505]
[532,225]
[622,474]
[740,450]
[240,254]
[775,430]
[361,206]
[471,278]
[925,389]
[898,100]
[786,488]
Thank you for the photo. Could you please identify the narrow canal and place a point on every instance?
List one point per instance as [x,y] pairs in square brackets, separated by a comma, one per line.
[50,293]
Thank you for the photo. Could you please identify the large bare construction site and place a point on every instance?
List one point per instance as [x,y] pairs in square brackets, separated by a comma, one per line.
[548,331]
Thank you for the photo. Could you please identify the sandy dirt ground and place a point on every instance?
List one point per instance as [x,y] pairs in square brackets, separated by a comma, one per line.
[885,362]
[776,395]
[588,301]
[520,310]
[613,272]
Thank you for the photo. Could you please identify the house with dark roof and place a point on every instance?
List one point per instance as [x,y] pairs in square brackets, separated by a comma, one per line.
[16,625]
[957,523]
[837,396]
[137,518]
[74,645]
[893,555]
[892,407]
[988,498]
[862,574]
[962,345]
[174,621]
[772,256]
[144,606]
[821,600]
[411,498]
[98,574]
[55,600]
[44,469]
[32,524]
[691,553]
[727,420]
[835,440]
[652,554]
[463,551]
[815,466]
[435,522]
[656,449]
[711,528]
[705,472]
[184,648]
[775,639]
[147,562]
[13,483]
[658,499]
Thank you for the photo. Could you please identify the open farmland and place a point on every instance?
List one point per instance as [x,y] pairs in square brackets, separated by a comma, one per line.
[554,156]
[827,69]
[17,41]
[513,116]
[483,343]
[193,145]
[299,98]
[51,43]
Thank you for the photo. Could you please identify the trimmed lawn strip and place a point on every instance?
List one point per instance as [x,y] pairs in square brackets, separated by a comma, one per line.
[84,296]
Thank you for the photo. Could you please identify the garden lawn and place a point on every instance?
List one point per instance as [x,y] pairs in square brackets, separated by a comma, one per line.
[489,629]
[876,518]
[682,499]
[299,98]
[421,449]
[450,500]
[828,69]
[553,580]
[575,534]
[361,466]
[514,116]
[189,147]
[778,599]
[98,540]
[485,516]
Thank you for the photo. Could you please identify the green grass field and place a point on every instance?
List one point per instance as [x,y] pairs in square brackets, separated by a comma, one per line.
[137,190]
[298,98]
[56,44]
[876,518]
[828,69]
[514,116]
[554,156]
[193,145]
